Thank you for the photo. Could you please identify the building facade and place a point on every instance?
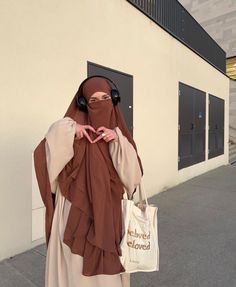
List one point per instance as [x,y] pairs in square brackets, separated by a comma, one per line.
[49,47]
[219,20]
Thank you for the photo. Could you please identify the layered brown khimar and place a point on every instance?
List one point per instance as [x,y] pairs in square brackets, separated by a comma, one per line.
[90,182]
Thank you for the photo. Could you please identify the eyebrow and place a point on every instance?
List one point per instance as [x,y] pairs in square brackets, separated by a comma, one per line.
[94,97]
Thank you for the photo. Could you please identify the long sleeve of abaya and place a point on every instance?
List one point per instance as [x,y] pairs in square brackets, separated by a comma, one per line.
[125,161]
[59,147]
[59,150]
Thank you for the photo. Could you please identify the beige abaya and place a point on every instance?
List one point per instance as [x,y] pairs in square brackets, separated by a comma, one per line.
[64,268]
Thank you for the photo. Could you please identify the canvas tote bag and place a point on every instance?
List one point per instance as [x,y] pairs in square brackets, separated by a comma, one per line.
[139,244]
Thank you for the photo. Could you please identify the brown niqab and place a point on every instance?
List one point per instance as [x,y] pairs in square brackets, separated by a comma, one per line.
[90,182]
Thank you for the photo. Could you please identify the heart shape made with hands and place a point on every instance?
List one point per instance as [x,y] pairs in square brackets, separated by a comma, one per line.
[97,138]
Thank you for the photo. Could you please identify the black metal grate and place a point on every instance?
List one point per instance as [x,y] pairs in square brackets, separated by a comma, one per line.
[174,18]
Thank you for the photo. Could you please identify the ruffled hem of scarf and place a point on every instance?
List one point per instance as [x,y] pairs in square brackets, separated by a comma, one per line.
[95,260]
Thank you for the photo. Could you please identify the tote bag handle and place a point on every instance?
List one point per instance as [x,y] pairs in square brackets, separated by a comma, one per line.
[141,193]
[141,190]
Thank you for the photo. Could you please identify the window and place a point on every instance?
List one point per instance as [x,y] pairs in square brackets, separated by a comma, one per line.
[231,67]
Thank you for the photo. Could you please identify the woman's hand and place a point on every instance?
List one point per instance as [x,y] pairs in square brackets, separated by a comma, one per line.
[80,131]
[106,134]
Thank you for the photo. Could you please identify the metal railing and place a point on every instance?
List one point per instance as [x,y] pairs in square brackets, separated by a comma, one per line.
[174,18]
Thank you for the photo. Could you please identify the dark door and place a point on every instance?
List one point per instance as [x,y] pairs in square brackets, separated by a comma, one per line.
[192,120]
[216,126]
[124,83]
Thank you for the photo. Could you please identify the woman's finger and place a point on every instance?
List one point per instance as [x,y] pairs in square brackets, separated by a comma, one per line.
[112,135]
[87,136]
[101,129]
[78,128]
[108,138]
[98,138]
[102,135]
[88,127]
[106,135]
[79,135]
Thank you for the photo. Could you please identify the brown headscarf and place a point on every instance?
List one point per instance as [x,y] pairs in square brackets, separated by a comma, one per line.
[90,182]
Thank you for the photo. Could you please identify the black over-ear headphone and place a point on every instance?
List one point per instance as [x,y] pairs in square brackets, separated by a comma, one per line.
[81,101]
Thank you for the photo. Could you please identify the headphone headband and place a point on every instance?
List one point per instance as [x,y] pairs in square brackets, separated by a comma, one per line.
[81,101]
[85,80]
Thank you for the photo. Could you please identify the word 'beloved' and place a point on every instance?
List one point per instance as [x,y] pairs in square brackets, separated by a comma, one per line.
[138,235]
[132,243]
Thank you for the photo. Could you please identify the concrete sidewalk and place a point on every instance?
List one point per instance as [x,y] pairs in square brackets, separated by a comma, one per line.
[197,238]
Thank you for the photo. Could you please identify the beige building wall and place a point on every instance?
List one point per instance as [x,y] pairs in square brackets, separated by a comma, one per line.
[45,46]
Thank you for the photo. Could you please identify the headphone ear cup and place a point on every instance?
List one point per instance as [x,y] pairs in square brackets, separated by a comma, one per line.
[81,103]
[115,95]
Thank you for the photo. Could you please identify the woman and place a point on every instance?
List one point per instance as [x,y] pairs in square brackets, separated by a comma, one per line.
[86,162]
